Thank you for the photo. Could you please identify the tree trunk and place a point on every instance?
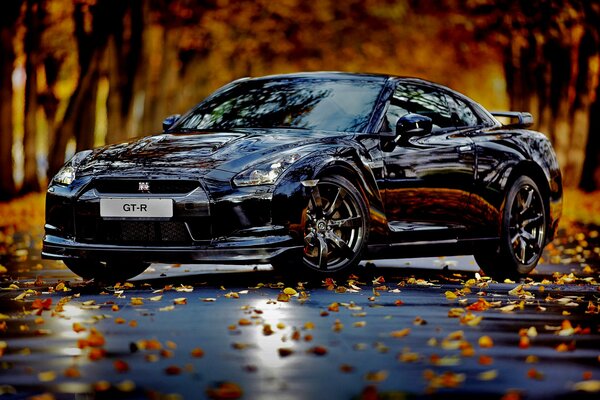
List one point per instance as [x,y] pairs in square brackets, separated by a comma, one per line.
[590,175]
[8,18]
[33,18]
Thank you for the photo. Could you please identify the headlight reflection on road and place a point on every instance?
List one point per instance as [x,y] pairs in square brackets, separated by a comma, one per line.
[279,321]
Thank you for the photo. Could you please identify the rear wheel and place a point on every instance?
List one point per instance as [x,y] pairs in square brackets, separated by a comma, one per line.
[522,236]
[335,229]
[104,271]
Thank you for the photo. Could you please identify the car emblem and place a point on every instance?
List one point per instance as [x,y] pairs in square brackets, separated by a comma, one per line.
[144,186]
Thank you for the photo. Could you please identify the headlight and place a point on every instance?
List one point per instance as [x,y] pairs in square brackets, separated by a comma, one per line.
[66,175]
[267,173]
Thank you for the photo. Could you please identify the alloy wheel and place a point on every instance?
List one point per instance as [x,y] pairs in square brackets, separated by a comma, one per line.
[335,226]
[527,225]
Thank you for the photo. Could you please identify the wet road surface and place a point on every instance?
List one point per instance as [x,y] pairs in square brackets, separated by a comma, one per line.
[418,328]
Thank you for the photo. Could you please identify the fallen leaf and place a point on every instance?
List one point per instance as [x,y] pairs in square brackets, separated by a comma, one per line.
[96,354]
[172,370]
[401,333]
[591,386]
[282,297]
[137,301]
[224,390]
[533,373]
[531,359]
[488,375]
[126,386]
[376,376]
[47,376]
[317,350]
[486,342]
[197,352]
[290,291]
[450,295]
[120,366]
[72,372]
[285,351]
[485,360]
[524,342]
[479,305]
[456,312]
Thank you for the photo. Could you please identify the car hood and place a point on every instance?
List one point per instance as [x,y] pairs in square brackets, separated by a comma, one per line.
[197,153]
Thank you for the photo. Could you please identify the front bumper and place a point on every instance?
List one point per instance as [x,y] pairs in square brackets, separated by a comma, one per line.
[212,223]
[233,251]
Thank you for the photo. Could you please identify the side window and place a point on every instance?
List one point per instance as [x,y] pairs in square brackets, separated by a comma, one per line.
[415,99]
[463,113]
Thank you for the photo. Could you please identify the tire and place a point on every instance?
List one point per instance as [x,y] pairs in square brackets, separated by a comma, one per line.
[336,228]
[523,233]
[104,271]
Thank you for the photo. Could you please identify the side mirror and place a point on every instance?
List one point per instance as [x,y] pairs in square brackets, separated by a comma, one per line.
[413,125]
[170,121]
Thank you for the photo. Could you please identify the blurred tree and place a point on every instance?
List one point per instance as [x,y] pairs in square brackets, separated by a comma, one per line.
[8,26]
[34,17]
[120,66]
[552,53]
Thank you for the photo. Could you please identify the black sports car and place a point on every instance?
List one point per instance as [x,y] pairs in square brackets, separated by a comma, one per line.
[312,172]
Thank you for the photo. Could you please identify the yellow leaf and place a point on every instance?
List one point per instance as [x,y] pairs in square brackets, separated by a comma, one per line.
[486,342]
[376,376]
[47,376]
[401,333]
[592,386]
[450,295]
[284,298]
[488,375]
[290,291]
[137,301]
[456,312]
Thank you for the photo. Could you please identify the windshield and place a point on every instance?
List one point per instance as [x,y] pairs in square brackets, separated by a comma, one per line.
[342,105]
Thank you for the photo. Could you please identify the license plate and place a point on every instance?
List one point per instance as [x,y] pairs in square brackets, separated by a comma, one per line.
[136,208]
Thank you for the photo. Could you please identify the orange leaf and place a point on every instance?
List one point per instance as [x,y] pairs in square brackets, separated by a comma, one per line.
[225,390]
[197,352]
[121,366]
[480,305]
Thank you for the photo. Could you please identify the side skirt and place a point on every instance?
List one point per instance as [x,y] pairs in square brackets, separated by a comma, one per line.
[426,248]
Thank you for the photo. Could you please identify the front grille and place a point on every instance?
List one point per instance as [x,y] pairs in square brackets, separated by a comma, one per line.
[133,232]
[148,232]
[130,186]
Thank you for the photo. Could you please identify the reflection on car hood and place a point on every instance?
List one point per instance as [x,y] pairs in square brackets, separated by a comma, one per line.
[197,152]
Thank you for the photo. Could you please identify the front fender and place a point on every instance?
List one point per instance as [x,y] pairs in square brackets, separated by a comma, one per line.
[290,197]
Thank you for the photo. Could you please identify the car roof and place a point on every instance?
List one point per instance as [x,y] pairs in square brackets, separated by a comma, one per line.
[348,76]
[325,75]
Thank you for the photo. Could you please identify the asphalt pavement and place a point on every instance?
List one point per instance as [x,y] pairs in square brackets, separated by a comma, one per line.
[402,329]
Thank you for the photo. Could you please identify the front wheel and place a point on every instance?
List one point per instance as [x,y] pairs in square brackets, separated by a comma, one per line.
[523,233]
[104,271]
[336,228]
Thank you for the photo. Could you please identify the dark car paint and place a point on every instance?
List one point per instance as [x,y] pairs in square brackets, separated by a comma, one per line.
[436,194]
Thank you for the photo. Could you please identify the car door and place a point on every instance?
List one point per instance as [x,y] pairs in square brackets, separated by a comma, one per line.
[427,177]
